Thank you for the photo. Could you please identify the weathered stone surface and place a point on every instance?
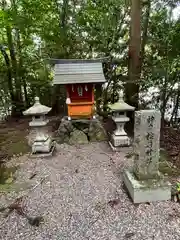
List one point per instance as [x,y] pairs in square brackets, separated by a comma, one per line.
[39,138]
[80,131]
[33,133]
[37,109]
[146,144]
[144,182]
[64,131]
[120,141]
[96,131]
[78,137]
[119,138]
[82,125]
[147,191]
[44,154]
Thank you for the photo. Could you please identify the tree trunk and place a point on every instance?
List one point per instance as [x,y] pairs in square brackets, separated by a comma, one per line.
[108,71]
[18,91]
[17,95]
[20,68]
[164,99]
[98,97]
[9,75]
[145,34]
[176,107]
[134,63]
[132,86]
[58,103]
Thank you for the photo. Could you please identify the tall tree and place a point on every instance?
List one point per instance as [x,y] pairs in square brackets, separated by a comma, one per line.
[58,104]
[132,86]
[17,101]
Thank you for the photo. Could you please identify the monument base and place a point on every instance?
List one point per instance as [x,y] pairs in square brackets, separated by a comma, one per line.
[150,190]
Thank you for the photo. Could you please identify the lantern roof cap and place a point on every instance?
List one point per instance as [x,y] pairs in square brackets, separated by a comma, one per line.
[121,106]
[37,108]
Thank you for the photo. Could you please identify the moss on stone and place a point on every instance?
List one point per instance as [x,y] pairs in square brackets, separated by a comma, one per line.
[7,174]
[80,131]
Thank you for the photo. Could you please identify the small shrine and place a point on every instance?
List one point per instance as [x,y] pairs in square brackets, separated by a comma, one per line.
[79,78]
[119,137]
[42,144]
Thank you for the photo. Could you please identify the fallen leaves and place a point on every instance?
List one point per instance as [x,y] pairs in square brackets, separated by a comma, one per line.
[170,139]
[19,208]
[35,221]
[33,175]
[129,235]
[114,202]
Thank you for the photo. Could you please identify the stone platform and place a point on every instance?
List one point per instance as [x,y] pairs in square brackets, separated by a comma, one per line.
[150,190]
[80,131]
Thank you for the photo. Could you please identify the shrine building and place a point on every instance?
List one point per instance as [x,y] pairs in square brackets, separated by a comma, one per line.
[79,78]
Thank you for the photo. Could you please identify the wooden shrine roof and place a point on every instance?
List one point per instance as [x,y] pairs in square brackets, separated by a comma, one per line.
[78,71]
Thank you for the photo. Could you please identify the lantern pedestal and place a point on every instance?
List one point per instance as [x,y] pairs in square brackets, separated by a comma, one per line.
[43,142]
[43,149]
[119,138]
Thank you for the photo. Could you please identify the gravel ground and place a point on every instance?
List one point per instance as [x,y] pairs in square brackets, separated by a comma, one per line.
[77,197]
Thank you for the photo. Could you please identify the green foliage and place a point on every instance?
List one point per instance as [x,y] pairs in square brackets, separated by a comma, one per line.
[178,187]
[35,31]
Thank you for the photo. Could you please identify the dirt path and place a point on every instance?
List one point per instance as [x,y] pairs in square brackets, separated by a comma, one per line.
[82,197]
[13,138]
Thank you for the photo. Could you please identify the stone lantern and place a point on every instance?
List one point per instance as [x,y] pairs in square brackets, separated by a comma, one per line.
[42,144]
[119,137]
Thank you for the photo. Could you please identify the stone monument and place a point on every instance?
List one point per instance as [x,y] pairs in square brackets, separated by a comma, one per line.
[42,144]
[119,137]
[144,182]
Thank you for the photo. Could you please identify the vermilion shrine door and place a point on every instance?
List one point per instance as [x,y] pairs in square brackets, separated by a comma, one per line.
[80,92]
